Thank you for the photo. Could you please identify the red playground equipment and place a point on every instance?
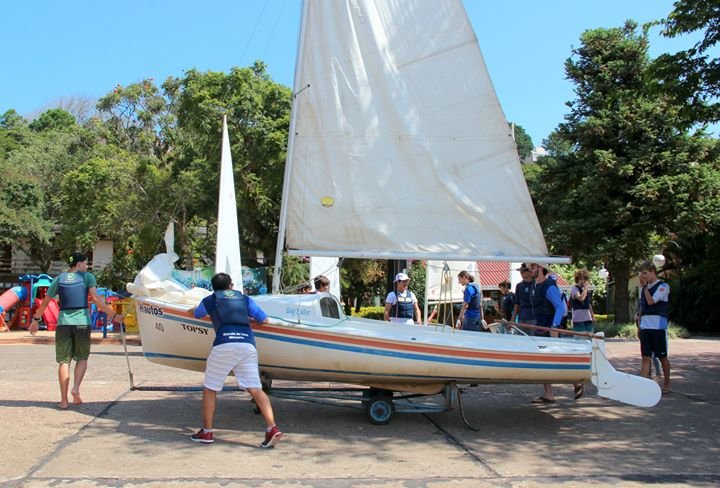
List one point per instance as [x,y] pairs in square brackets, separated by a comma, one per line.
[26,298]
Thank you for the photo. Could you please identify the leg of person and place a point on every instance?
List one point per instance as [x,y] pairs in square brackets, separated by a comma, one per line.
[81,354]
[246,372]
[209,403]
[646,350]
[79,374]
[205,435]
[272,431]
[263,403]
[665,362]
[64,380]
[549,392]
[219,363]
[63,356]
[660,349]
[656,365]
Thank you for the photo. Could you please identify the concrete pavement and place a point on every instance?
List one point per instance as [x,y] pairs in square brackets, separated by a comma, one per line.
[140,438]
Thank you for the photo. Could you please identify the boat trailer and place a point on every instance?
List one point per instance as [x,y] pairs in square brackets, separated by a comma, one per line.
[380,405]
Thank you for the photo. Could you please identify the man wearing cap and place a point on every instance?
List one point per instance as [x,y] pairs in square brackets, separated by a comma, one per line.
[72,336]
[523,309]
[401,305]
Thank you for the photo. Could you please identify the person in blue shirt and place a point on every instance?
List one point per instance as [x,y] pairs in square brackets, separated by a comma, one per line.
[232,314]
[470,316]
[549,310]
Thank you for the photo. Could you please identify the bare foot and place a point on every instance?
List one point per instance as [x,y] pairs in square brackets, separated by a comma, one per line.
[76,397]
[62,405]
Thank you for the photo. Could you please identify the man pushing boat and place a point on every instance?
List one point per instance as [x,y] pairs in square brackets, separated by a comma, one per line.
[233,350]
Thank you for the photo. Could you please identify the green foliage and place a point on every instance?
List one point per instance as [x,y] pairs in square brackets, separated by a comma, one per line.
[523,142]
[361,280]
[295,273]
[417,275]
[690,270]
[692,76]
[13,131]
[621,171]
[30,205]
[54,119]
[258,113]
[375,313]
[629,330]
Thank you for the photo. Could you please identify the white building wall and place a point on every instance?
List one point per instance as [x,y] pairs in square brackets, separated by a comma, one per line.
[102,254]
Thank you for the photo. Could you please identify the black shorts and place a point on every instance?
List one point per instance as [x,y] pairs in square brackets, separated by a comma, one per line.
[653,341]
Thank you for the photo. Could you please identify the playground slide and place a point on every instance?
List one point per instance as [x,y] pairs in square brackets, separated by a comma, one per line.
[50,315]
[11,297]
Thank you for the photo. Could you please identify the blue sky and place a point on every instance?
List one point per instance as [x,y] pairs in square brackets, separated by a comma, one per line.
[54,49]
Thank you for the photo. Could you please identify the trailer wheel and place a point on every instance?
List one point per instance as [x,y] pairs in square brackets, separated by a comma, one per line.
[380,410]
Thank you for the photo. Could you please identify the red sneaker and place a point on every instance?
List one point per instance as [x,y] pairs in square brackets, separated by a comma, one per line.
[202,436]
[272,437]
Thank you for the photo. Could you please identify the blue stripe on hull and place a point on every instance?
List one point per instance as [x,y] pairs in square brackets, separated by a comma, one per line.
[420,357]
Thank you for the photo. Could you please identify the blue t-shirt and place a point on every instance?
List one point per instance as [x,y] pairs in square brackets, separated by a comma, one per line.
[470,291]
[554,296]
[231,333]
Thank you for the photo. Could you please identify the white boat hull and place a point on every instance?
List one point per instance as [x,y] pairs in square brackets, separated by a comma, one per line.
[381,354]
[365,351]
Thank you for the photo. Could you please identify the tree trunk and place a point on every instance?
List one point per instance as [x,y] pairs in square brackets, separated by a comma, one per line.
[621,277]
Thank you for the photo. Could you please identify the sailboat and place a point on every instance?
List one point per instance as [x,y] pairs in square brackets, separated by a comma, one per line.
[398,149]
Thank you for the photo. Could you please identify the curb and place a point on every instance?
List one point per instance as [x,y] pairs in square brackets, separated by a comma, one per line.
[132,340]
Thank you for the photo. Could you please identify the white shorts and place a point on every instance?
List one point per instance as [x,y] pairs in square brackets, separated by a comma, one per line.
[239,357]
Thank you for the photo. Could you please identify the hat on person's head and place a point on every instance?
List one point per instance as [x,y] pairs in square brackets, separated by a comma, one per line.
[401,277]
[76,257]
[523,267]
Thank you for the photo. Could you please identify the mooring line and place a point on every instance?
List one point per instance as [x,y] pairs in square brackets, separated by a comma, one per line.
[457,442]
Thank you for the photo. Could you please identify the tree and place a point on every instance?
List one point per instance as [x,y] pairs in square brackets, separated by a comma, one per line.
[622,172]
[53,119]
[523,142]
[692,76]
[13,131]
[361,280]
[30,206]
[258,114]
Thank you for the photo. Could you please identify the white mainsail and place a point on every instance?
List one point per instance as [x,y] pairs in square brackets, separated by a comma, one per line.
[399,147]
[227,248]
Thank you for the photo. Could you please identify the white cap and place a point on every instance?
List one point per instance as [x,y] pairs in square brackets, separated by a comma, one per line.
[401,277]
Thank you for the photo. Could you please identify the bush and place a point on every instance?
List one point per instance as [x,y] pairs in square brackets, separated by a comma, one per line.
[629,331]
[376,313]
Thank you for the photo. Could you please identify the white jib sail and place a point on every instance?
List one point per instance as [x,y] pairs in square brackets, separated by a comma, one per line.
[227,248]
[400,147]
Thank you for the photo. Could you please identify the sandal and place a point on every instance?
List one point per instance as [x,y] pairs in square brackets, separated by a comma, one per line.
[579,391]
[542,399]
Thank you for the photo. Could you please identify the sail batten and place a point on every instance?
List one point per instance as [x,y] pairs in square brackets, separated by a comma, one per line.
[400,146]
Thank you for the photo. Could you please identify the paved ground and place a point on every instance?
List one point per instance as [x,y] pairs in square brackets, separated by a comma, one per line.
[140,438]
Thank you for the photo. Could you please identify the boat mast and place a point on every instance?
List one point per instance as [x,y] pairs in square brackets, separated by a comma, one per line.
[288,159]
